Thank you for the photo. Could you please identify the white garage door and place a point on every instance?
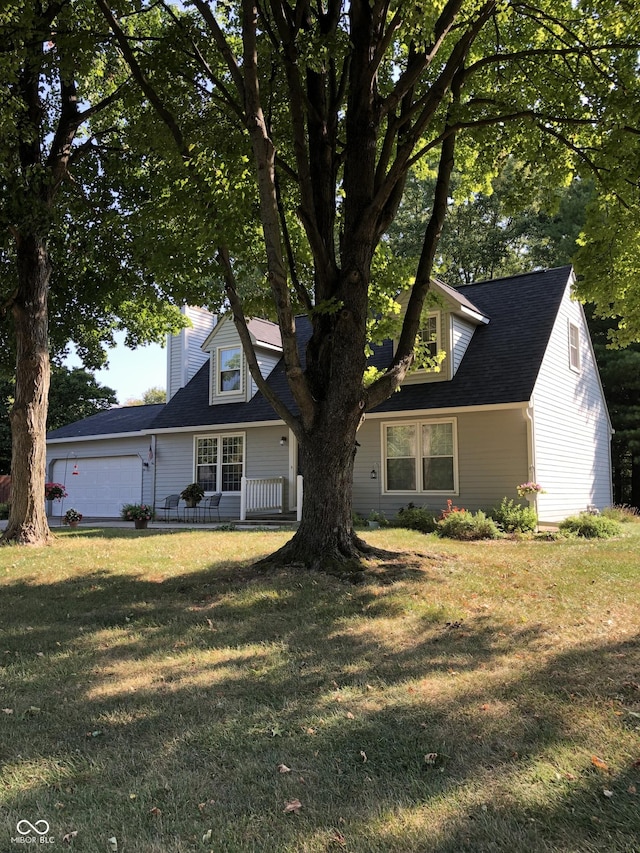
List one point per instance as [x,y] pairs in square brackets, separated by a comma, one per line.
[100,485]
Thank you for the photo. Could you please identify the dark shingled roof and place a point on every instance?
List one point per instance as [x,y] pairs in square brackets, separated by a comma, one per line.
[110,421]
[500,366]
[502,361]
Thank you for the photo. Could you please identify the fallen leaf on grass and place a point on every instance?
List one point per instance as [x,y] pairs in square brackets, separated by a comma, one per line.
[631,789]
[607,793]
[431,758]
[292,806]
[363,755]
[113,844]
[155,811]
[349,716]
[282,768]
[338,838]
[599,763]
[7,710]
[68,838]
[206,838]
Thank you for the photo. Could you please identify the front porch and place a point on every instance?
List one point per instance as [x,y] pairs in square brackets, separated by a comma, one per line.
[263,496]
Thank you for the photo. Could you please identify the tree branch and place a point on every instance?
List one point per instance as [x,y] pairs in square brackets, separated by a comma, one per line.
[141,79]
[403,358]
[264,155]
[247,344]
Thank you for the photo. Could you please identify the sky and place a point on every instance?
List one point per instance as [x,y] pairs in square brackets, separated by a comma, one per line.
[131,372]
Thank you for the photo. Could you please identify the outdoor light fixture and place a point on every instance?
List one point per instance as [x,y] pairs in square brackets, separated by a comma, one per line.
[283,440]
[374,474]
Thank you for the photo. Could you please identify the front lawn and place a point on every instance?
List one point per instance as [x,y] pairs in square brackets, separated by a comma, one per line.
[466,698]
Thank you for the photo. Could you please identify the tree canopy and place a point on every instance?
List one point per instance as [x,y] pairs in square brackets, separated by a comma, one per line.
[293,131]
[327,109]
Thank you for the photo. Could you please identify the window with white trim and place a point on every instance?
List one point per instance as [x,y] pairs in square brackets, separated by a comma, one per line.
[429,343]
[428,334]
[219,462]
[229,370]
[574,347]
[421,457]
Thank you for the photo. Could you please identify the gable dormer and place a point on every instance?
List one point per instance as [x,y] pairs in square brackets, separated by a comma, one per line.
[448,323]
[229,378]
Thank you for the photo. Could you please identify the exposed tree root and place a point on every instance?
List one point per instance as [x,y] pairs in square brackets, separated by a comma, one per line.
[25,534]
[350,559]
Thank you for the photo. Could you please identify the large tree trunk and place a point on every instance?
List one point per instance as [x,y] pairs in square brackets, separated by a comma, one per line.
[28,520]
[325,538]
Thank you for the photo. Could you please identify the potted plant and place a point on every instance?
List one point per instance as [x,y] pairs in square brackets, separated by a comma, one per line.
[192,494]
[54,491]
[72,517]
[140,514]
[529,490]
[376,519]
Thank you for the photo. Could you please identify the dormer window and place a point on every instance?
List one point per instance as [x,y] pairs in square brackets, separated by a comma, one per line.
[229,370]
[430,351]
[428,334]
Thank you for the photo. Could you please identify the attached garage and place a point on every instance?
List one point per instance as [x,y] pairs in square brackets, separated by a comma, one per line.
[98,486]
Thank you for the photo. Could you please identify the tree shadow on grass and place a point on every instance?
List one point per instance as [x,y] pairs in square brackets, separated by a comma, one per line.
[155,711]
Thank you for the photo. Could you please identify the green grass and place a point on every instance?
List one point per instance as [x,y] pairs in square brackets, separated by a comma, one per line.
[151,684]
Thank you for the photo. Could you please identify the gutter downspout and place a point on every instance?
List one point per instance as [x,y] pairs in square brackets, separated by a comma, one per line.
[531,449]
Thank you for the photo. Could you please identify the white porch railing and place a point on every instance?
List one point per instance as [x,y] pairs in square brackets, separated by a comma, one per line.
[261,494]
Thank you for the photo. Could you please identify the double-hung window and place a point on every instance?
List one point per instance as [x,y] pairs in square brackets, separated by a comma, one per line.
[219,462]
[420,457]
[229,370]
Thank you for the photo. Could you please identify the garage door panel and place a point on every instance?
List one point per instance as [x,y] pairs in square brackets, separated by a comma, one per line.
[100,486]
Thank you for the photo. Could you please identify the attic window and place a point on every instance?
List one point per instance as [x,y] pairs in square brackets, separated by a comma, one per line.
[428,334]
[229,370]
[429,337]
[574,347]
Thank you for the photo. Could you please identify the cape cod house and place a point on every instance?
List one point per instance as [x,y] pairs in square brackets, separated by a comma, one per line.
[517,397]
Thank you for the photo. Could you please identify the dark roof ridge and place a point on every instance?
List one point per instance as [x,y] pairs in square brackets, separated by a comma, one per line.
[542,271]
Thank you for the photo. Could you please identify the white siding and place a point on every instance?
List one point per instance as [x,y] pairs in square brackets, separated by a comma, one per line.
[184,354]
[175,364]
[461,334]
[571,426]
[492,461]
[267,360]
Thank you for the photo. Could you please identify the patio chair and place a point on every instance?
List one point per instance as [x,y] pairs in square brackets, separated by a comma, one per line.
[170,506]
[209,504]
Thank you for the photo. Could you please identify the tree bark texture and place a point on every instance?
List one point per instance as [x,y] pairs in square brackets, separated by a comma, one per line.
[28,520]
[325,538]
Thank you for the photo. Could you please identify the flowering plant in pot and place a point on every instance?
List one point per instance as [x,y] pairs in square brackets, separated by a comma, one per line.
[192,494]
[136,512]
[54,491]
[526,490]
[72,517]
